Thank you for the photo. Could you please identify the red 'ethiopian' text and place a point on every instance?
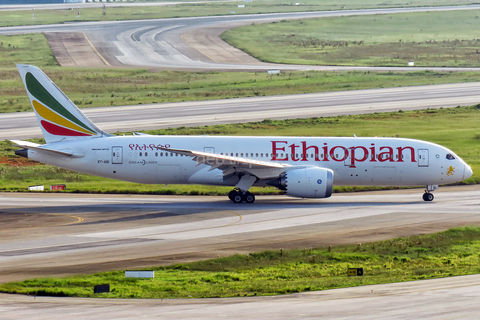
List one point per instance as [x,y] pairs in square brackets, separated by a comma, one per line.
[282,151]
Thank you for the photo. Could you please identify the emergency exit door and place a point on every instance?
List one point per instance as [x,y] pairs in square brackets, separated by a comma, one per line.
[423,157]
[117,155]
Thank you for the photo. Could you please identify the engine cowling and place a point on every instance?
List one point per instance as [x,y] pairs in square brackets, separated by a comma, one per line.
[310,182]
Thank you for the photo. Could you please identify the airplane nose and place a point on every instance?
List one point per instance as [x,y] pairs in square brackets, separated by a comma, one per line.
[467,173]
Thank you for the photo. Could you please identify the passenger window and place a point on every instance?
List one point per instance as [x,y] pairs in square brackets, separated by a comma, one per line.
[146,154]
[140,154]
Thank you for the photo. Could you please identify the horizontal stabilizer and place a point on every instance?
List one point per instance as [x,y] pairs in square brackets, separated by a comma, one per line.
[43,148]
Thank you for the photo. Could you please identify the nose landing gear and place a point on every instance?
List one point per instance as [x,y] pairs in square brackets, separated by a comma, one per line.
[428,196]
[238,196]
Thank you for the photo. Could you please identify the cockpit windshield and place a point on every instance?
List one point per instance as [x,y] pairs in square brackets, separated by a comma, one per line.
[450,156]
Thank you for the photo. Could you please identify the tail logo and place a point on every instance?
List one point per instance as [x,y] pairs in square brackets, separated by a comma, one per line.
[57,120]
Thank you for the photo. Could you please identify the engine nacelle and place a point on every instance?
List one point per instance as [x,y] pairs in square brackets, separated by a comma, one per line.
[310,182]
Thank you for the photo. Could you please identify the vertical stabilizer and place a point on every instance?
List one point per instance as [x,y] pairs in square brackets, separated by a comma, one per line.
[58,116]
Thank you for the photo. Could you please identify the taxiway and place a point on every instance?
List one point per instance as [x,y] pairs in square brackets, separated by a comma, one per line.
[62,234]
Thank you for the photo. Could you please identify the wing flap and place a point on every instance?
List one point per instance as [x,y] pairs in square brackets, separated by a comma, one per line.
[230,165]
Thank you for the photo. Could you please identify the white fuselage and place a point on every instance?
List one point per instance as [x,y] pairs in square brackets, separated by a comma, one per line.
[354,161]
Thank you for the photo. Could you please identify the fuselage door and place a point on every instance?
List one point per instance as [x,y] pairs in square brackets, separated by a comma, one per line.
[117,155]
[209,149]
[423,157]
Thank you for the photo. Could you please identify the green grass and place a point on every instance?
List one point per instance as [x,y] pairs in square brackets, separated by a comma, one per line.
[454,128]
[450,253]
[92,87]
[427,38]
[24,17]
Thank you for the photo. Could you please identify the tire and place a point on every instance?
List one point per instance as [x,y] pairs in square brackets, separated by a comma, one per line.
[237,197]
[427,196]
[249,197]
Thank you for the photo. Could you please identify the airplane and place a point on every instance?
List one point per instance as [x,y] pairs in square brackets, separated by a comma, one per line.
[304,167]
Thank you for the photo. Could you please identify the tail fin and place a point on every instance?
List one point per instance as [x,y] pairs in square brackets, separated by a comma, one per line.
[58,116]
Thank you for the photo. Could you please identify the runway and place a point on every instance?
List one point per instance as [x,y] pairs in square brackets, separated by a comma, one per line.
[62,234]
[200,113]
[169,44]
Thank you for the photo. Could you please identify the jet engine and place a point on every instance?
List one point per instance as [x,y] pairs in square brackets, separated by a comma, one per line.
[309,182]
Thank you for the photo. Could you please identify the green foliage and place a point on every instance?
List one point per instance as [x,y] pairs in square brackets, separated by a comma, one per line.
[453,252]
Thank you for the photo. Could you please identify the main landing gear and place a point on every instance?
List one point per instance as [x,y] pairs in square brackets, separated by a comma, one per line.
[238,196]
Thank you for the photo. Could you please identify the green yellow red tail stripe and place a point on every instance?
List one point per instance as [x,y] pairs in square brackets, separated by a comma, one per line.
[57,119]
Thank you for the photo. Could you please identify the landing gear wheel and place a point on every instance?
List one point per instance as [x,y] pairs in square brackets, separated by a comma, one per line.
[249,197]
[237,197]
[231,194]
[427,196]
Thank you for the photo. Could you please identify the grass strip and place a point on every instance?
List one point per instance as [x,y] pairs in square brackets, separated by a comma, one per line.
[450,253]
[454,128]
[48,16]
[91,87]
[433,39]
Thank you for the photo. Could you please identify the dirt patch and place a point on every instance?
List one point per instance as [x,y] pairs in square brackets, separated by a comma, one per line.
[18,162]
[208,41]
[74,50]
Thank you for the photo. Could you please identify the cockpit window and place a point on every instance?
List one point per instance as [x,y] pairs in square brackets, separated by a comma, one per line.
[450,156]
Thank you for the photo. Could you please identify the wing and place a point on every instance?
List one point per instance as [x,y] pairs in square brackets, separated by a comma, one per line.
[233,165]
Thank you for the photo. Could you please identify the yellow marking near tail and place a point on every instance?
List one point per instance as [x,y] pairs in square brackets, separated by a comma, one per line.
[95,50]
[51,116]
[79,220]
[232,222]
